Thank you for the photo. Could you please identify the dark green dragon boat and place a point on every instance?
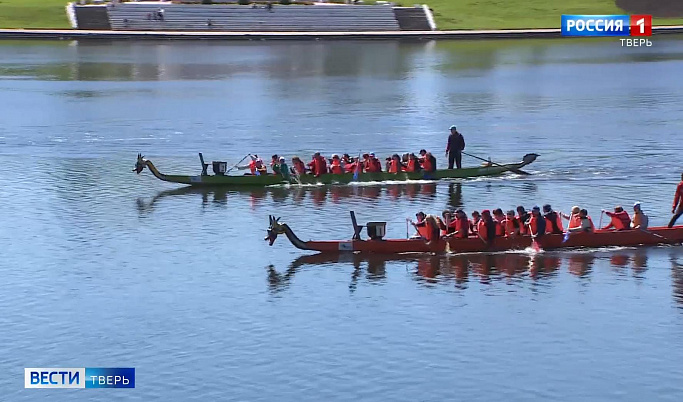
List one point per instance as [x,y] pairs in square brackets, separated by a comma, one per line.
[205,179]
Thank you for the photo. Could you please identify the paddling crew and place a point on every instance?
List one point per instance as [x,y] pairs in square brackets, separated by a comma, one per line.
[553,220]
[454,148]
[335,165]
[619,219]
[677,208]
[498,218]
[536,223]
[375,164]
[585,223]
[486,228]
[474,224]
[639,219]
[510,224]
[574,218]
[413,164]
[298,166]
[522,218]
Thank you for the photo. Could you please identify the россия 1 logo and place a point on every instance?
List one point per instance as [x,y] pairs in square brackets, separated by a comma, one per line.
[80,377]
[610,25]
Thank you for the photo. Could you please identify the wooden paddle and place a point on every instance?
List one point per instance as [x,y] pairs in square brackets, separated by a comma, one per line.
[514,170]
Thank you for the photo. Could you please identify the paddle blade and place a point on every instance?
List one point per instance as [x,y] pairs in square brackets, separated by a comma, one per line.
[535,246]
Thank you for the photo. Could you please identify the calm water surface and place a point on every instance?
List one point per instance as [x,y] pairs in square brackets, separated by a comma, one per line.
[103,268]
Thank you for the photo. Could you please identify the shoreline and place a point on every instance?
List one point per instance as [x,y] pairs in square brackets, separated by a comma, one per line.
[70,34]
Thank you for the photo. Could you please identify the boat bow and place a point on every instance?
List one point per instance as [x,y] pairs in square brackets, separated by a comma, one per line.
[276,228]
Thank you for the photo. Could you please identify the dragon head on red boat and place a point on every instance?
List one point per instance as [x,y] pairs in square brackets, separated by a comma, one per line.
[140,164]
[275,229]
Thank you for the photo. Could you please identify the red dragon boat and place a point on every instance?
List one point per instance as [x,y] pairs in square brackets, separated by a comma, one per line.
[375,244]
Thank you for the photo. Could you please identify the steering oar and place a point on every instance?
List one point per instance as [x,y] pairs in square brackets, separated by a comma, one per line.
[514,170]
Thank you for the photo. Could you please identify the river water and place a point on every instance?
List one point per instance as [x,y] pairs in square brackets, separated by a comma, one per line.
[105,268]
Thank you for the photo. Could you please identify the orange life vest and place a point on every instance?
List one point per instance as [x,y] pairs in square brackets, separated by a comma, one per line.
[350,167]
[500,229]
[481,229]
[509,225]
[393,166]
[574,221]
[372,165]
[252,167]
[533,225]
[427,230]
[320,166]
[462,226]
[427,164]
[335,167]
[621,220]
[549,226]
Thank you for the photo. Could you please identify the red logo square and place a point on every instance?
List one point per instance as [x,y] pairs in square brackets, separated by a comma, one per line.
[641,25]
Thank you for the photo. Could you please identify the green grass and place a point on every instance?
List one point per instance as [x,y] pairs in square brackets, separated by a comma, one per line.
[449,14]
[511,14]
[33,14]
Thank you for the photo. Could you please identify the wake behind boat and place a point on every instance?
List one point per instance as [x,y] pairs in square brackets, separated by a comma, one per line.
[221,176]
[376,244]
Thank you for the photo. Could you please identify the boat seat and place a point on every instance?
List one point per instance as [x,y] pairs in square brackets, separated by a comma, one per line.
[356,227]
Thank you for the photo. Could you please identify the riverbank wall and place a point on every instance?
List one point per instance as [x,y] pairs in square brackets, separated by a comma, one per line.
[69,34]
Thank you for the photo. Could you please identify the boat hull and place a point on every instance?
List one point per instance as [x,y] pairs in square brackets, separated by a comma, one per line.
[653,236]
[346,178]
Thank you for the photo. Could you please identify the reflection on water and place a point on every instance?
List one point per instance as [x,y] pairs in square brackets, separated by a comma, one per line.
[485,268]
[299,195]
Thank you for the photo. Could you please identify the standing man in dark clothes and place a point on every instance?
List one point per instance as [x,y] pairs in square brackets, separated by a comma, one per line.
[456,144]
[677,209]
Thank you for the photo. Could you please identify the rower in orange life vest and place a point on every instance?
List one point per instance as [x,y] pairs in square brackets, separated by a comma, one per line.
[536,223]
[395,165]
[298,166]
[427,227]
[574,218]
[510,224]
[318,165]
[474,223]
[447,224]
[677,208]
[553,220]
[256,166]
[373,164]
[585,223]
[486,228]
[428,161]
[462,225]
[619,219]
[498,218]
[413,164]
[335,165]
[522,218]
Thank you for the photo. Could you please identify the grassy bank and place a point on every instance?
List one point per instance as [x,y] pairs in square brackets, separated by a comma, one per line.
[449,14]
[33,14]
[519,14]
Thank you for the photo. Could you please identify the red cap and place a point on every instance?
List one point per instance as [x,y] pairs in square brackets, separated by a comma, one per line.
[486,211]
